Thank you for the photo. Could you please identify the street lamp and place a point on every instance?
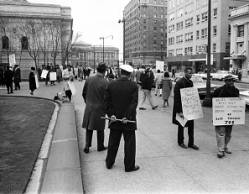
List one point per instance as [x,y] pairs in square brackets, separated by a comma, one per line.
[103,38]
[123,21]
[208,99]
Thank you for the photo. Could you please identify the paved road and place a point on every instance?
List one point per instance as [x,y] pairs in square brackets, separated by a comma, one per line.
[165,167]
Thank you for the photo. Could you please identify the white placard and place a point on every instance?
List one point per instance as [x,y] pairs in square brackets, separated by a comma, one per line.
[52,76]
[228,111]
[36,81]
[12,60]
[44,73]
[160,65]
[191,105]
[72,87]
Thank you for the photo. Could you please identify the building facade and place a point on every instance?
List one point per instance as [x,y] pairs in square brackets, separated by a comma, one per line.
[240,39]
[35,34]
[145,31]
[188,33]
[88,55]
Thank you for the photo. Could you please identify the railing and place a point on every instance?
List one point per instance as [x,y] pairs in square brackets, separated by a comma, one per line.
[240,11]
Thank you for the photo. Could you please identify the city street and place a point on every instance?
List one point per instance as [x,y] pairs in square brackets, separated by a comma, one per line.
[164,166]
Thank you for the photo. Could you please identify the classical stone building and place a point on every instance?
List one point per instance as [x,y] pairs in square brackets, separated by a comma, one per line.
[88,55]
[36,34]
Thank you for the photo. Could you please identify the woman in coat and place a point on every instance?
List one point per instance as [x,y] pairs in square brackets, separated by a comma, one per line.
[166,84]
[93,94]
[32,84]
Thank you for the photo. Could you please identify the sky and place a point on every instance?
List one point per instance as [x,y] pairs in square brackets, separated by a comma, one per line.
[94,19]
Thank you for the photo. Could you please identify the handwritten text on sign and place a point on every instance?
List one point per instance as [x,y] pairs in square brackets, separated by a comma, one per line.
[191,105]
[228,111]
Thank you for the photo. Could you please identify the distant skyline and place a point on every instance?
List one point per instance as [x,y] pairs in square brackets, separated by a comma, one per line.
[94,19]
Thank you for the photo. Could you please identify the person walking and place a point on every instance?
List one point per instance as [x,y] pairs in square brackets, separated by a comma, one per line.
[223,132]
[158,79]
[147,80]
[183,82]
[93,94]
[32,83]
[121,102]
[17,77]
[8,78]
[166,88]
[173,73]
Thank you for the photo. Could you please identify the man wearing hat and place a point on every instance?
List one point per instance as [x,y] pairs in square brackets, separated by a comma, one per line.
[223,132]
[93,94]
[121,103]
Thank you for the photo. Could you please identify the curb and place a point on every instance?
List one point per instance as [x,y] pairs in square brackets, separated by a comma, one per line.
[35,182]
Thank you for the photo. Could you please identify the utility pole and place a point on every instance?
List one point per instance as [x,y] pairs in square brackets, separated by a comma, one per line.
[208,99]
[123,21]
[103,38]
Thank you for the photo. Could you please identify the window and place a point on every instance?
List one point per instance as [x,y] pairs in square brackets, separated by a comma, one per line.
[240,31]
[171,52]
[24,43]
[198,19]
[189,36]
[179,26]
[171,41]
[179,52]
[214,47]
[227,47]
[188,22]
[197,34]
[214,30]
[5,42]
[188,51]
[179,39]
[215,12]
[171,28]
[229,30]
[204,17]
[204,33]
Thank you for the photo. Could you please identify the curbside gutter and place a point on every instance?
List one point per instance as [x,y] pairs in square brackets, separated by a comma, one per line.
[35,182]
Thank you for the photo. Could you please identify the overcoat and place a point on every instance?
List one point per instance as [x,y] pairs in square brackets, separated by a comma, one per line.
[177,107]
[93,94]
[17,75]
[121,100]
[32,84]
[166,87]
[8,77]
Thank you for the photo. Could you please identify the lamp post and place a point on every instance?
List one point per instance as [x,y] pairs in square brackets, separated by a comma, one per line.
[123,21]
[103,38]
[208,100]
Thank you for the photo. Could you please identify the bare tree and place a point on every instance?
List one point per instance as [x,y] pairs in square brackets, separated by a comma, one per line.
[44,40]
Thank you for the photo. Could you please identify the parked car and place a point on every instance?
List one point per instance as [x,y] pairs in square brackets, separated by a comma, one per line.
[245,95]
[221,74]
[200,84]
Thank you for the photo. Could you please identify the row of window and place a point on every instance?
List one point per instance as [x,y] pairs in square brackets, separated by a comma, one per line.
[24,43]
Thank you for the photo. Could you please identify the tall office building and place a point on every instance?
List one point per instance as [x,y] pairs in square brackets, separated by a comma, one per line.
[145,31]
[240,39]
[188,31]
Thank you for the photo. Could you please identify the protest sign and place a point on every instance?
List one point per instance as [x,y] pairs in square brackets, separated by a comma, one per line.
[36,81]
[191,105]
[52,76]
[12,60]
[160,65]
[228,111]
[44,73]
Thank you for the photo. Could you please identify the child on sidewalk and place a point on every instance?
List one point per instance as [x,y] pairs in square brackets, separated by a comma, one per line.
[67,88]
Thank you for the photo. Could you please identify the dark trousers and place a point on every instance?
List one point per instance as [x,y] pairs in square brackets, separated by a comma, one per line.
[129,147]
[100,138]
[68,94]
[17,86]
[190,134]
[9,87]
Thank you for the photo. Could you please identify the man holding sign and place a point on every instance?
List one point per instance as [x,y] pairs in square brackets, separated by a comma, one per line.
[223,132]
[184,82]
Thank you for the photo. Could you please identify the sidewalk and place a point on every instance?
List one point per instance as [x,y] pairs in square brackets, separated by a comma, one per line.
[60,172]
[164,166]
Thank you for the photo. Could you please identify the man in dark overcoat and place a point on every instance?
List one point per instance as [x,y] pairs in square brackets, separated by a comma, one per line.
[121,102]
[32,83]
[8,78]
[183,82]
[17,77]
[93,94]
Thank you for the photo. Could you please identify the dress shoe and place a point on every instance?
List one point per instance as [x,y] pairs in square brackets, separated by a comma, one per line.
[142,108]
[86,150]
[108,166]
[182,145]
[227,151]
[195,147]
[154,107]
[102,149]
[135,168]
[220,154]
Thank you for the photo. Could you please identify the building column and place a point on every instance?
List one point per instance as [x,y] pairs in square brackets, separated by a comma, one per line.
[246,47]
[233,44]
